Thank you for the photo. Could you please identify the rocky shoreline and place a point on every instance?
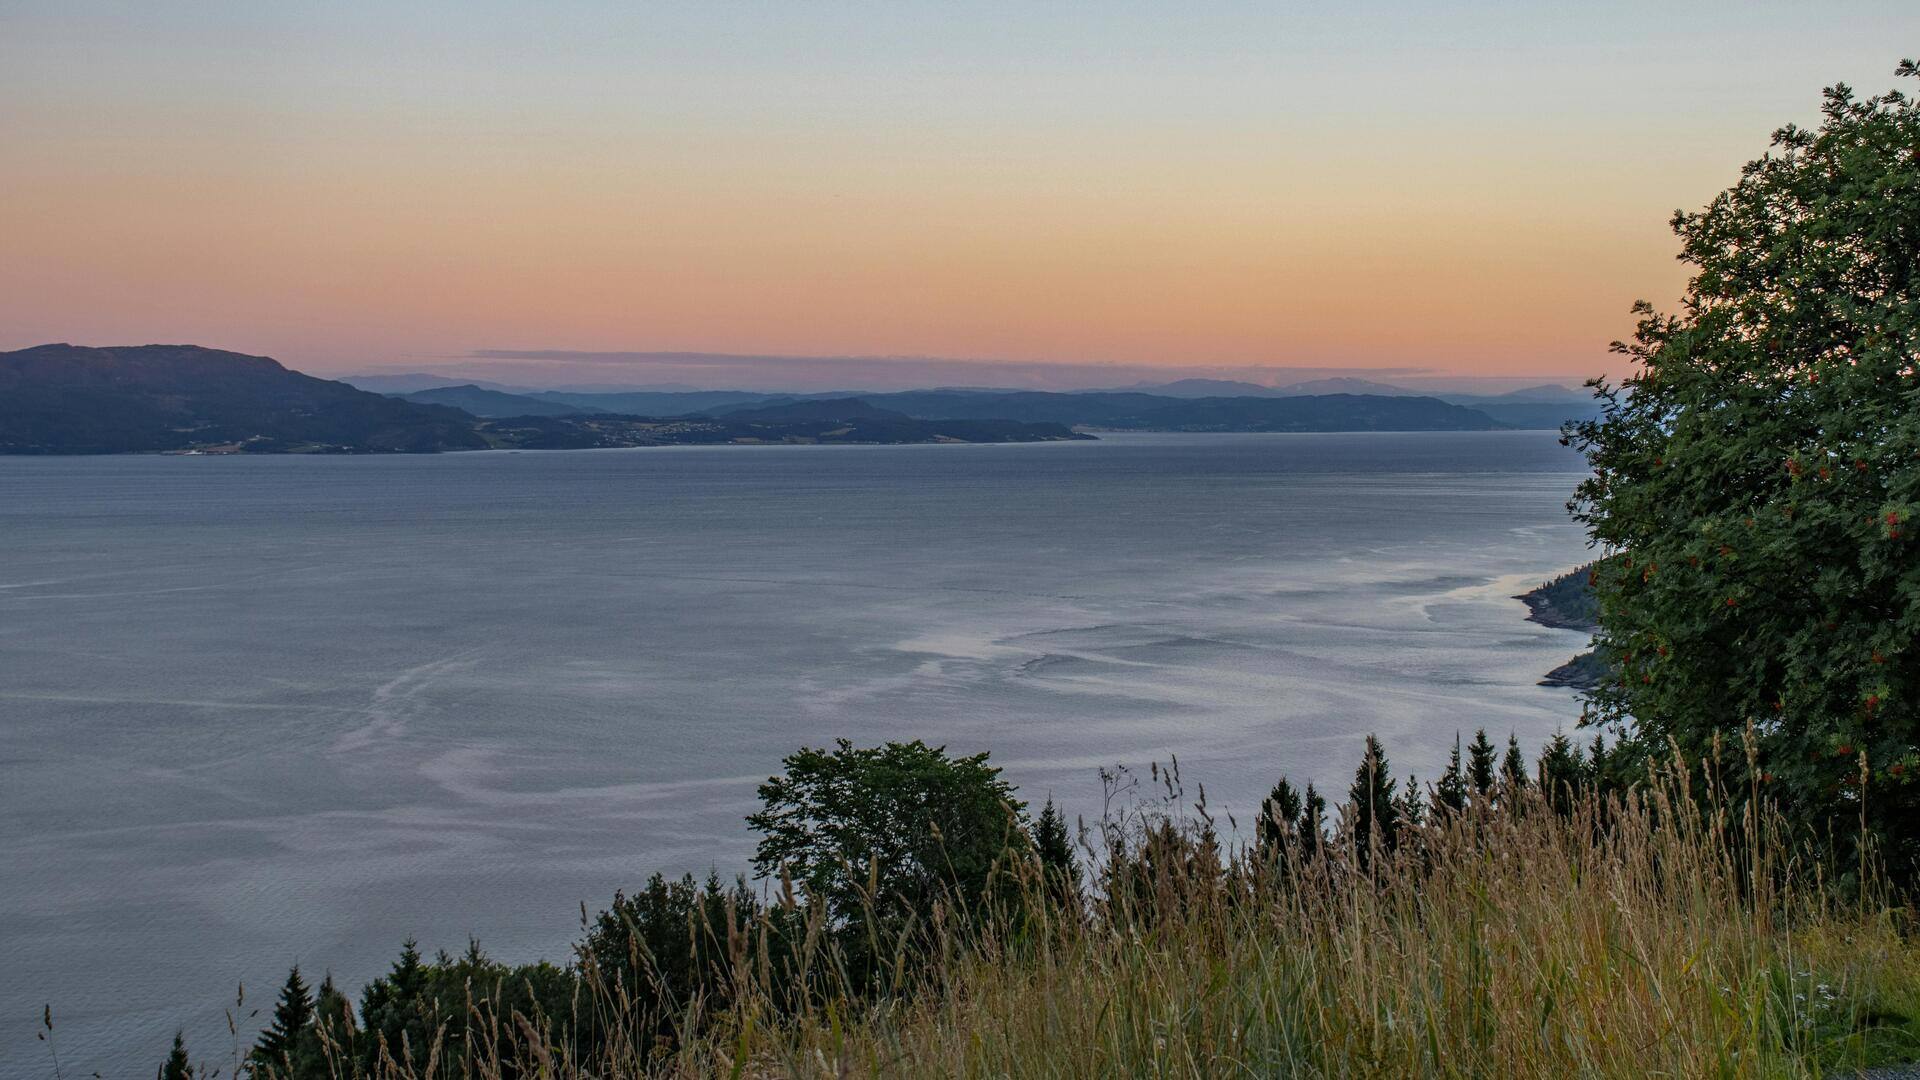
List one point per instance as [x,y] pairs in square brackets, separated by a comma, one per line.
[1567,603]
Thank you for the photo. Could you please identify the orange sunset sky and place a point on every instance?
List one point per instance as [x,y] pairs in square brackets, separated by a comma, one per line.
[1469,189]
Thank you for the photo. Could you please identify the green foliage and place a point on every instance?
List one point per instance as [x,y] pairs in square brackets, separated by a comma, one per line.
[1513,767]
[667,944]
[1480,764]
[1054,848]
[1374,812]
[425,1010]
[177,1067]
[1566,601]
[1279,822]
[1411,806]
[886,833]
[1442,928]
[1450,795]
[289,1037]
[1313,821]
[394,1010]
[1756,480]
[1562,772]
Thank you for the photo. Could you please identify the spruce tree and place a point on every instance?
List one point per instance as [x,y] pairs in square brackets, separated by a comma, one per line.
[332,1023]
[1513,769]
[1562,771]
[394,1009]
[1055,851]
[1413,808]
[275,1050]
[1313,817]
[1450,794]
[1600,765]
[1376,814]
[1279,814]
[1480,761]
[177,1066]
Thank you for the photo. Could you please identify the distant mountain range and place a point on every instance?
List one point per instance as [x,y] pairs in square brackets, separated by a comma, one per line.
[1547,406]
[68,399]
[1149,406]
[1198,388]
[1113,410]
[71,399]
[1122,411]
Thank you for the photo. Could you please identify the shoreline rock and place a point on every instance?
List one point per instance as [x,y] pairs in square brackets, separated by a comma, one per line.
[1567,603]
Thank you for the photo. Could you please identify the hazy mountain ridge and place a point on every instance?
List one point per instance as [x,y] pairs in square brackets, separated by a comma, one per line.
[1131,411]
[68,399]
[490,403]
[156,398]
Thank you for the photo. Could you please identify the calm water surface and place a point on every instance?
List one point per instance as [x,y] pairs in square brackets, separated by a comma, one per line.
[263,710]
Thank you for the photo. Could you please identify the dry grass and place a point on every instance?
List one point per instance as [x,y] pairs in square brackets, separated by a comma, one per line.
[1662,933]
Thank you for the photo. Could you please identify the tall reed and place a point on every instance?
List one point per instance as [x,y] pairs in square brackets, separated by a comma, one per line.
[1675,929]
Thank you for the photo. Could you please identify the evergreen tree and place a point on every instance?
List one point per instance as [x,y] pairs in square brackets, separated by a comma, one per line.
[1279,817]
[177,1066]
[1450,794]
[1413,808]
[1562,772]
[274,1052]
[1376,814]
[1480,761]
[332,1023]
[1313,822]
[394,1012]
[1603,765]
[1055,850]
[1513,769]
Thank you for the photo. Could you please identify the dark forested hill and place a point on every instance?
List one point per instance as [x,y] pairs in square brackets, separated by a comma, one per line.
[483,402]
[66,399]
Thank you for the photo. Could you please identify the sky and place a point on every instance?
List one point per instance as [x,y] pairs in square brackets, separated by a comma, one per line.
[1084,193]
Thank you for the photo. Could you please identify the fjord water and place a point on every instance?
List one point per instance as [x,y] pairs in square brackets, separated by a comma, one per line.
[277,709]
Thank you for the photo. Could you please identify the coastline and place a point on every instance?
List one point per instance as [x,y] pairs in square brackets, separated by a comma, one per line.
[1566,603]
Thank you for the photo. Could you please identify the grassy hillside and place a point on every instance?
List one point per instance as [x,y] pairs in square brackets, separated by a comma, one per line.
[1662,930]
